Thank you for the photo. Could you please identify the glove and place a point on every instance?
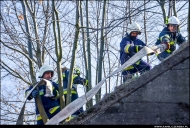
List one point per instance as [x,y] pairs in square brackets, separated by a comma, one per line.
[165,40]
[35,93]
[134,49]
[169,46]
[166,45]
[172,47]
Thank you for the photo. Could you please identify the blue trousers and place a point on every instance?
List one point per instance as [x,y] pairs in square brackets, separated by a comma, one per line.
[141,67]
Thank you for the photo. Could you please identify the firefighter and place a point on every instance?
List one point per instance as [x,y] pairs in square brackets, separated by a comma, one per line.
[50,104]
[170,36]
[129,46]
[76,80]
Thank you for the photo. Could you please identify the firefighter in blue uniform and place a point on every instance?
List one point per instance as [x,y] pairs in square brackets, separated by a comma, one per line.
[170,36]
[51,105]
[129,46]
[76,80]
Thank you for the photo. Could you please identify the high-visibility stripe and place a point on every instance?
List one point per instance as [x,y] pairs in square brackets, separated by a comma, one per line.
[72,92]
[86,83]
[166,20]
[41,92]
[137,48]
[52,110]
[69,118]
[172,43]
[57,95]
[63,75]
[129,68]
[39,117]
[72,89]
[169,51]
[126,49]
[166,36]
[138,62]
[74,76]
[132,67]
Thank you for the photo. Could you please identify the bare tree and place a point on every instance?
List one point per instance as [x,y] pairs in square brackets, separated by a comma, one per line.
[89,104]
[70,79]
[98,96]
[58,49]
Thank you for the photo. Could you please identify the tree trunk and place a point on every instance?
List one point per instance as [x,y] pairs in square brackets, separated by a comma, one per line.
[90,103]
[98,95]
[58,51]
[38,98]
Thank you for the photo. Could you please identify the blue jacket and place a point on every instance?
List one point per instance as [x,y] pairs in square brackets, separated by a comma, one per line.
[47,102]
[127,41]
[174,38]
[76,80]
[166,31]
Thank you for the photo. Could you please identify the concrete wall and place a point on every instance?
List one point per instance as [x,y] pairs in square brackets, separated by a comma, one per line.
[159,97]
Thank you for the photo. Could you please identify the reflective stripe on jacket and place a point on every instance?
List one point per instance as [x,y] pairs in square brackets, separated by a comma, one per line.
[73,91]
[173,37]
[47,102]
[125,55]
[51,111]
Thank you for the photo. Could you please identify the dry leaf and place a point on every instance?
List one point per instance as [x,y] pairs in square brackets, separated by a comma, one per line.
[16,111]
[20,17]
[40,1]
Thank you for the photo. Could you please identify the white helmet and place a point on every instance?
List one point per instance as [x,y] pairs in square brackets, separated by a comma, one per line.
[134,27]
[173,20]
[44,69]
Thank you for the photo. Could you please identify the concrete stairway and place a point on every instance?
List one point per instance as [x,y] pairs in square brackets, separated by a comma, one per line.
[159,97]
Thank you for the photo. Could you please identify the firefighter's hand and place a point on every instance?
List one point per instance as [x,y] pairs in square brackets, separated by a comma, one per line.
[167,45]
[172,47]
[139,48]
[165,40]
[35,93]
